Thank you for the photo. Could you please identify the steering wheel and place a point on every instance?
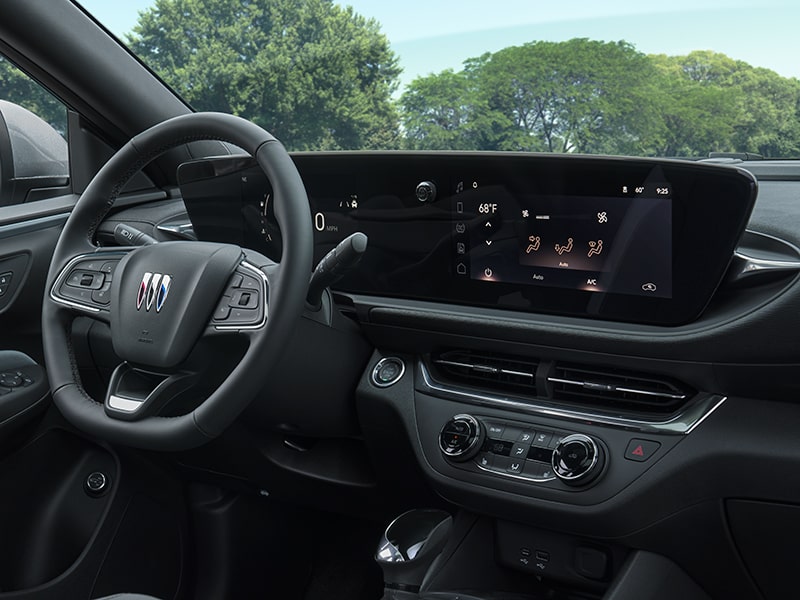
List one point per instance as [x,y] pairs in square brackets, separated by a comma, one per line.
[162,300]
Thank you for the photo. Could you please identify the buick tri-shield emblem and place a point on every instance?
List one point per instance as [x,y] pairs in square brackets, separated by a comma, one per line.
[154,288]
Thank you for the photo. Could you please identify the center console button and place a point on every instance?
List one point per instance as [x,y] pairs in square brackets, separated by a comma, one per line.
[511,433]
[519,451]
[516,466]
[534,469]
[494,430]
[526,437]
[542,438]
[485,460]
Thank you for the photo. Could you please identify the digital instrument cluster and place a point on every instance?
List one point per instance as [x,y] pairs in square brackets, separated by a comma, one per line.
[638,240]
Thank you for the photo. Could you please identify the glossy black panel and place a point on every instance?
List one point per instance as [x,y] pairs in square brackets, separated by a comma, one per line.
[623,239]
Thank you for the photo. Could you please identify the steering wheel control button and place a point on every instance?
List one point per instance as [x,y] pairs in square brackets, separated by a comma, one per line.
[223,310]
[641,450]
[80,278]
[97,484]
[576,459]
[72,293]
[244,299]
[103,295]
[461,438]
[250,283]
[10,380]
[237,280]
[388,371]
[241,316]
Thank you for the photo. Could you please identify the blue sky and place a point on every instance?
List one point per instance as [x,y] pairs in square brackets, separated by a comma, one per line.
[432,35]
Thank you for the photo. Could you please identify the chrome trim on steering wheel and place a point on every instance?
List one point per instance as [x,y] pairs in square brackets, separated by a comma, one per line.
[68,267]
[264,288]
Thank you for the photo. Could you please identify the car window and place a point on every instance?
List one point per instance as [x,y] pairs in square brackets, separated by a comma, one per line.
[34,155]
[618,78]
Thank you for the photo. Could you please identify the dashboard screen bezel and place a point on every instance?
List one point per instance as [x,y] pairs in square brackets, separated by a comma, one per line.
[711,205]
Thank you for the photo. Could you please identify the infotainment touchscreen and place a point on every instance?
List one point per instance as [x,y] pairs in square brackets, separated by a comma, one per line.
[620,244]
[640,240]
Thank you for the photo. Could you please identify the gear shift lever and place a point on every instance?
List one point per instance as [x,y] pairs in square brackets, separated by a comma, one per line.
[408,547]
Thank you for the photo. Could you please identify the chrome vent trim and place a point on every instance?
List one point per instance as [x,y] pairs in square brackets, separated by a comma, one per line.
[616,389]
[601,387]
[690,416]
[487,370]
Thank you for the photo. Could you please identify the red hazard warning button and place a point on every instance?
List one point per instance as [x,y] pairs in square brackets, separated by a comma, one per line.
[641,450]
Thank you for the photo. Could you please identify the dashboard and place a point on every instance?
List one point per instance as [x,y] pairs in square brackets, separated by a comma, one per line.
[643,241]
[551,341]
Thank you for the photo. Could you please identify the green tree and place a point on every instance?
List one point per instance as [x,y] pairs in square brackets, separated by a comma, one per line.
[19,88]
[318,76]
[443,112]
[574,96]
[715,103]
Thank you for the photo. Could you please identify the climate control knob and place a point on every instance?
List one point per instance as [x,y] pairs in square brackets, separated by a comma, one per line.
[577,459]
[461,437]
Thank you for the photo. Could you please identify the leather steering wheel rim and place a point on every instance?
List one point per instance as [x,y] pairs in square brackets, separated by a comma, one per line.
[287,288]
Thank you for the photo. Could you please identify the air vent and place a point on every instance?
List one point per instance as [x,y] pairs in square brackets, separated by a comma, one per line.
[619,390]
[487,370]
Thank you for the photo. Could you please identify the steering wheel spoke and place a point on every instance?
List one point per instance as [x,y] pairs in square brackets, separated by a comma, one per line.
[134,394]
[84,284]
[244,304]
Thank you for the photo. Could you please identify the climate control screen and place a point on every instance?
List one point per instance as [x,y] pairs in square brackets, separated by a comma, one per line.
[619,244]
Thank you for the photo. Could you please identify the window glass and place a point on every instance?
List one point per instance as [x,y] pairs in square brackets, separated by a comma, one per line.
[34,128]
[642,77]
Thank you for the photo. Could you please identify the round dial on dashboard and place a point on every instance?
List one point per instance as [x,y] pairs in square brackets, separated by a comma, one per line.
[426,191]
[577,459]
[461,437]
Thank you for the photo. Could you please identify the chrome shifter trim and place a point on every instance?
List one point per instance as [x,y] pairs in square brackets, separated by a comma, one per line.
[682,423]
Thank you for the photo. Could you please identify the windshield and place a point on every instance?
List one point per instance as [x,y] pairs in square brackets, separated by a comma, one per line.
[681,79]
